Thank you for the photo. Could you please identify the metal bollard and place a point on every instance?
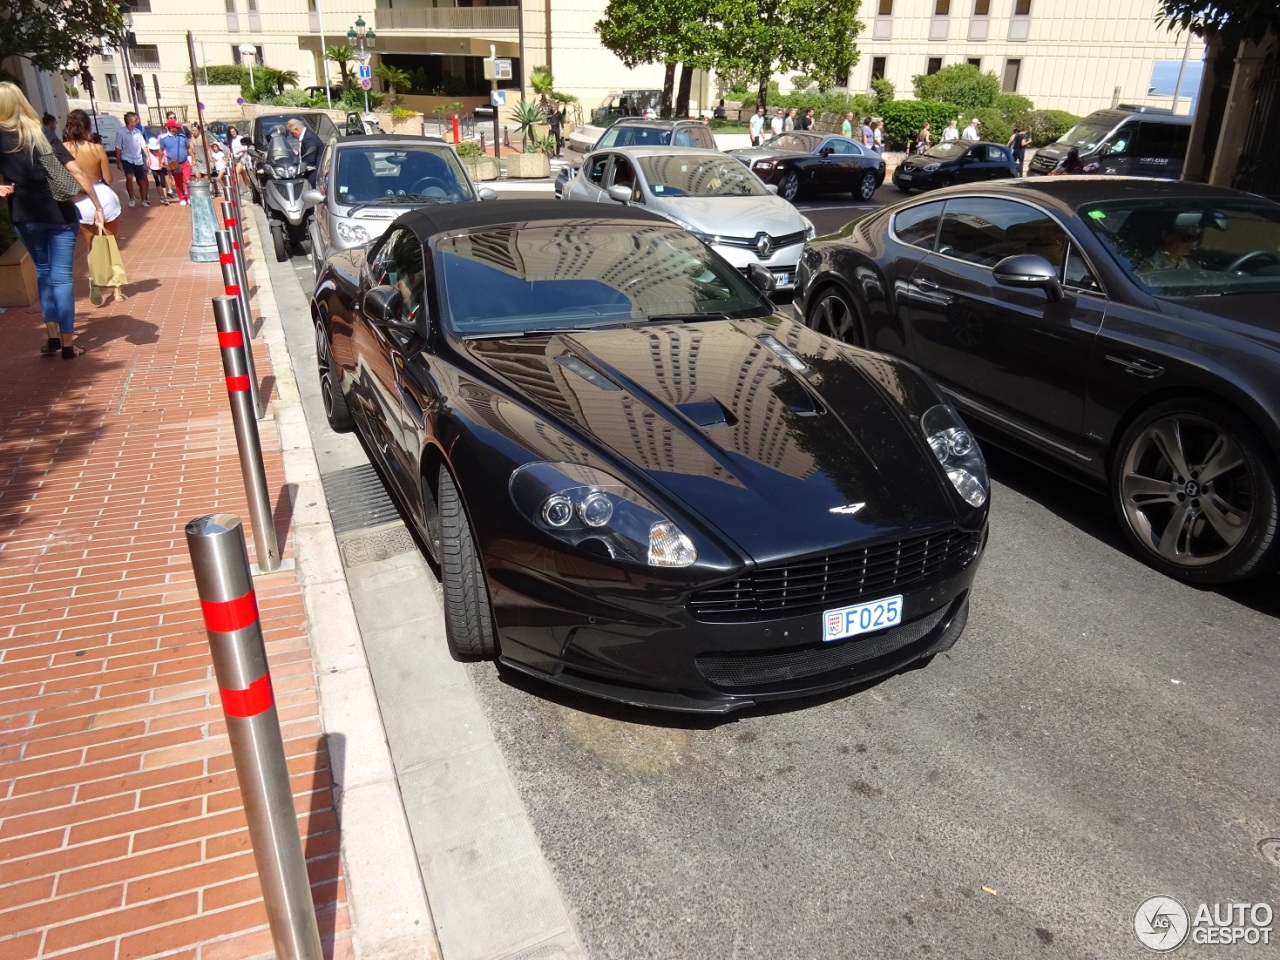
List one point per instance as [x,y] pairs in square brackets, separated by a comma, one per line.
[233,194]
[225,587]
[231,222]
[234,345]
[233,288]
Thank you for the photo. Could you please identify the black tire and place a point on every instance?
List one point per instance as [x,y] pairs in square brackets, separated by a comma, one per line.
[789,187]
[946,181]
[468,622]
[254,194]
[279,242]
[1194,487]
[866,188]
[336,410]
[831,313]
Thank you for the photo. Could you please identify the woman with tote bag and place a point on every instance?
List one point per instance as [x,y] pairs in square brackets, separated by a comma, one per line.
[92,159]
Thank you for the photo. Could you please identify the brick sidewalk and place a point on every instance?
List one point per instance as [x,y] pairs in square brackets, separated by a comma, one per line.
[121,829]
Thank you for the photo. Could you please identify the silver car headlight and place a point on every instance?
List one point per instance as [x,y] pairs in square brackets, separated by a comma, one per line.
[352,232]
[810,231]
[596,513]
[957,451]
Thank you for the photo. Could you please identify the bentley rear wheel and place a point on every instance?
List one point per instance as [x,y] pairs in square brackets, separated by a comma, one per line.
[789,188]
[832,314]
[866,186]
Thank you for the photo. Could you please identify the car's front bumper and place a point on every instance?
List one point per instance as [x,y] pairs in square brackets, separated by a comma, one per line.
[782,263]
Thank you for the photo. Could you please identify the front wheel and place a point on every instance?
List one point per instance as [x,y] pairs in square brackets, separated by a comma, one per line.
[279,242]
[468,621]
[789,188]
[832,314]
[336,410]
[866,186]
[1194,488]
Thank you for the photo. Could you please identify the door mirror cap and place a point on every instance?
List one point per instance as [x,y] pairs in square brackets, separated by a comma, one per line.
[619,193]
[1029,270]
[762,279]
[487,193]
[312,198]
[383,304]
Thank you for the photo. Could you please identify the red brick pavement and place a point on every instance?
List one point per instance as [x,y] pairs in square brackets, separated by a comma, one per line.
[121,829]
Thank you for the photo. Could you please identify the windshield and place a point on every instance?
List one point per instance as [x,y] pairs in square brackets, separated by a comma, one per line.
[802,142]
[692,176]
[574,275]
[1086,135]
[634,136]
[949,150]
[416,174]
[1193,247]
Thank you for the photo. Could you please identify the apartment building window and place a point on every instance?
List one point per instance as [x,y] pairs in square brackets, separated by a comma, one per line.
[145,56]
[1022,8]
[1009,83]
[231,6]
[139,6]
[935,64]
[253,6]
[974,62]
[882,29]
[878,67]
[113,88]
[257,56]
[140,88]
[981,8]
[941,8]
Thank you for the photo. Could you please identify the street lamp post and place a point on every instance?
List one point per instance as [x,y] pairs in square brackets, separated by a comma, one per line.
[249,52]
[363,40]
[126,18]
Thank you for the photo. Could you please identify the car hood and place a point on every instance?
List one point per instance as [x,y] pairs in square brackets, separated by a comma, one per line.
[733,216]
[720,425]
[918,163]
[758,153]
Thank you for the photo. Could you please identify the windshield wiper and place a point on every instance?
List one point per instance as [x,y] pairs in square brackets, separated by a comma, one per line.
[391,200]
[680,317]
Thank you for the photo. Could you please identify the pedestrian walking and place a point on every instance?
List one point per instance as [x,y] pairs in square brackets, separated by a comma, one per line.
[971,131]
[951,133]
[775,125]
[807,122]
[158,164]
[555,123]
[846,127]
[865,132]
[922,138]
[1018,146]
[50,124]
[178,155]
[196,146]
[877,136]
[756,127]
[92,160]
[789,121]
[46,225]
[131,145]
[237,156]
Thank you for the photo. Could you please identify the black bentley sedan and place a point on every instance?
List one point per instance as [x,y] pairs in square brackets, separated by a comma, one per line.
[954,161]
[805,162]
[1123,331]
[638,481]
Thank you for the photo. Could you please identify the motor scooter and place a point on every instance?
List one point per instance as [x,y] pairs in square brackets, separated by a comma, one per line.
[284,179]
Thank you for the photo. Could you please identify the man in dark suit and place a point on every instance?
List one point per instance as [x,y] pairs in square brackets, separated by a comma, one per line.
[308,145]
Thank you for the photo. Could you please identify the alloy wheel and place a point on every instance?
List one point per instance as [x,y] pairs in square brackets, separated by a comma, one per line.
[832,315]
[789,189]
[867,186]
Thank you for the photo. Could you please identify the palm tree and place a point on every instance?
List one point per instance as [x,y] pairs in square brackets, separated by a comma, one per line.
[394,77]
[544,85]
[342,56]
[285,78]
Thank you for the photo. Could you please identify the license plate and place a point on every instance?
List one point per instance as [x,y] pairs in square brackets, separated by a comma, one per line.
[784,279]
[904,176]
[861,618]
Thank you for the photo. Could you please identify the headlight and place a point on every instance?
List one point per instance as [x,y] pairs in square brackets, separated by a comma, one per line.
[598,514]
[352,232]
[957,451]
[930,167]
[765,165]
[810,231]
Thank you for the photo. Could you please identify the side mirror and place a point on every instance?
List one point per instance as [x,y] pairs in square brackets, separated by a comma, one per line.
[1028,270]
[772,188]
[762,279]
[312,198]
[382,305]
[487,193]
[619,193]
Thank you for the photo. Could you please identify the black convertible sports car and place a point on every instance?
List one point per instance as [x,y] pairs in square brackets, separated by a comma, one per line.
[637,480]
[1122,331]
[805,162]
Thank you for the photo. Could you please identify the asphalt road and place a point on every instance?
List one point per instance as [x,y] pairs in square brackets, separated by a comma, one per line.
[1101,734]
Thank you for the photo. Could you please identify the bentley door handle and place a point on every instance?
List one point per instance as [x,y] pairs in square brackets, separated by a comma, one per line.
[926,284]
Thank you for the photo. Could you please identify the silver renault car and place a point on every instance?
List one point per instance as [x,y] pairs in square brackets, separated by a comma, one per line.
[708,193]
[365,182]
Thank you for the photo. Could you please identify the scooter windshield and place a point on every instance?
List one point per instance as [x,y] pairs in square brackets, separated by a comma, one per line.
[280,151]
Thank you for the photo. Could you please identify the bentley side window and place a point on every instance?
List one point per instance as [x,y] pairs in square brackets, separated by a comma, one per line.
[918,226]
[984,230]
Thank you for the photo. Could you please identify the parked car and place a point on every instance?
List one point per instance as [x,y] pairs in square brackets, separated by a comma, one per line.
[804,162]
[1122,332]
[638,132]
[627,103]
[637,480]
[1136,141]
[714,196]
[954,161]
[364,183]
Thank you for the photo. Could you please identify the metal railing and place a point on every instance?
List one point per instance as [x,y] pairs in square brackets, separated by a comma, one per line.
[448,18]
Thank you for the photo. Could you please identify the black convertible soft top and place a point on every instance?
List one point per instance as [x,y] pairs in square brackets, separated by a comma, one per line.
[452,217]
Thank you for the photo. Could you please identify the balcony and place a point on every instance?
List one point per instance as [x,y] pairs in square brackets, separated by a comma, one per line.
[453,19]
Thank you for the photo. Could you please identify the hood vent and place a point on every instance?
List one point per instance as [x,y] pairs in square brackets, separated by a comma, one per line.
[708,413]
[586,372]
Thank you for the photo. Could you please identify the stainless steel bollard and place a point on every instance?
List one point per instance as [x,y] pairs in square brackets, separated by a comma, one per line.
[233,195]
[225,587]
[233,288]
[234,345]
[231,223]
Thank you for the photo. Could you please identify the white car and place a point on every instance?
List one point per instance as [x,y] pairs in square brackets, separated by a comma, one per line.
[708,193]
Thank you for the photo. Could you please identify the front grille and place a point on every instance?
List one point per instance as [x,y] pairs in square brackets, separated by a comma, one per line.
[1043,163]
[750,242]
[815,584]
[759,670]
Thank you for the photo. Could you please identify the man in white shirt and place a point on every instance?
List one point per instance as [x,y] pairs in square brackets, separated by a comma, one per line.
[971,131]
[131,142]
[757,127]
[776,124]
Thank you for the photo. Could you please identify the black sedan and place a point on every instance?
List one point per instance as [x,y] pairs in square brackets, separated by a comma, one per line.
[1121,331]
[803,162]
[637,480]
[955,161]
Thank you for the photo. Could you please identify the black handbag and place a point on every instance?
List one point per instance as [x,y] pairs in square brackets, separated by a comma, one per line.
[61,183]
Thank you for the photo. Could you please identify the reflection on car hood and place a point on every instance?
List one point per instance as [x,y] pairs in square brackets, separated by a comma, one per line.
[759,153]
[718,422]
[733,216]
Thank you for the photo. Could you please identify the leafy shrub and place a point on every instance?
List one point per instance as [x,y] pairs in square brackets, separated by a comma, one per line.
[904,118]
[1016,109]
[826,101]
[883,91]
[469,148]
[353,99]
[292,98]
[224,74]
[992,126]
[962,84]
[401,113]
[1048,125]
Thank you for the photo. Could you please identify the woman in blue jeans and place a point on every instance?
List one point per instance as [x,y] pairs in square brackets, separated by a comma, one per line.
[48,228]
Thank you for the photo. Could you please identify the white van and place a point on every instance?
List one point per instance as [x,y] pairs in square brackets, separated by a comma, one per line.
[108,126]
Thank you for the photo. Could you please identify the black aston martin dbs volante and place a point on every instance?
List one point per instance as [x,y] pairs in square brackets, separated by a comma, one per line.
[637,480]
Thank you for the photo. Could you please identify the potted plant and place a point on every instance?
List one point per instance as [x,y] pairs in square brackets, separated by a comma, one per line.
[528,165]
[478,164]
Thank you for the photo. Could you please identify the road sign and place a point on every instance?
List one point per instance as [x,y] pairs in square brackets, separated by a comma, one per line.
[498,98]
[366,72]
[502,68]
[366,84]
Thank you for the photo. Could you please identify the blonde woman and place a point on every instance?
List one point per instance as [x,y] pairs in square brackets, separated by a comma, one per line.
[47,227]
[77,137]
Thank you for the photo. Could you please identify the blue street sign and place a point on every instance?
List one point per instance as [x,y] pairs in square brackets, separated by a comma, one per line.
[498,97]
[366,72]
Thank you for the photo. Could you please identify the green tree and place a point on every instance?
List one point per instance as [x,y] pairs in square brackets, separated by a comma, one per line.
[53,34]
[544,85]
[649,31]
[904,118]
[961,84]
[1229,20]
[284,78]
[395,79]
[342,56]
[883,91]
